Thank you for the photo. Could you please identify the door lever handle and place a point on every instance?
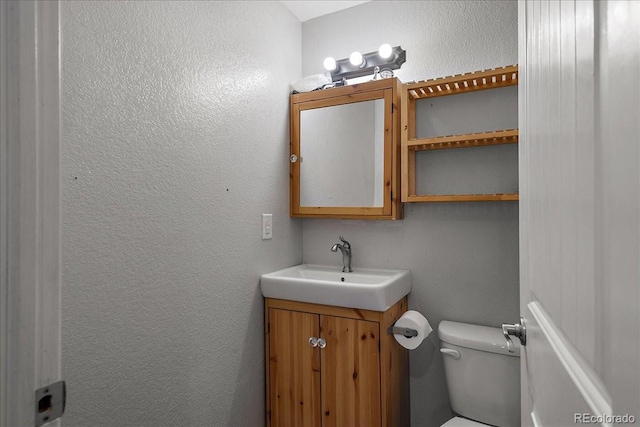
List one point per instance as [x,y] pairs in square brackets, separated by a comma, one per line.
[518,330]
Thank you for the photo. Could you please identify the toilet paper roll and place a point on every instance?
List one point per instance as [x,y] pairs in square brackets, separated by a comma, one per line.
[413,320]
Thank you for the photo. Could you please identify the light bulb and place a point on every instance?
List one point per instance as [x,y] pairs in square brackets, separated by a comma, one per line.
[356,59]
[329,64]
[385,51]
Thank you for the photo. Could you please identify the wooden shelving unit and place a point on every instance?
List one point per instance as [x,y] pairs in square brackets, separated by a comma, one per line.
[412,92]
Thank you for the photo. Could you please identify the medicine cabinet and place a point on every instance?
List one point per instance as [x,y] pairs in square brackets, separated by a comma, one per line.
[345,152]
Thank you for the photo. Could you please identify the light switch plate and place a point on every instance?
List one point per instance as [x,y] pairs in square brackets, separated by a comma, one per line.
[267,226]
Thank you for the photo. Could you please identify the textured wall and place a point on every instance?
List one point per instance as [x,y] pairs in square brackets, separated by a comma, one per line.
[463,257]
[175,126]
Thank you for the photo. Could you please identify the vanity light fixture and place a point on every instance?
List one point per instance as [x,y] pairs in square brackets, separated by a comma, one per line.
[385,51]
[356,59]
[385,59]
[329,64]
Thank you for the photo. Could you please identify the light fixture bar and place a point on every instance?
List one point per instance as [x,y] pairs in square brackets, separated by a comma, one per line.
[345,70]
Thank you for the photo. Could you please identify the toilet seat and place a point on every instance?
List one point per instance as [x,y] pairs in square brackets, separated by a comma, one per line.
[462,422]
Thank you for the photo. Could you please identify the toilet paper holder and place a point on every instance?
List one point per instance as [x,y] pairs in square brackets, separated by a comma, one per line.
[407,332]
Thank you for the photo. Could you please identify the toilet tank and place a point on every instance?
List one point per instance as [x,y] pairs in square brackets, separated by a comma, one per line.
[484,382]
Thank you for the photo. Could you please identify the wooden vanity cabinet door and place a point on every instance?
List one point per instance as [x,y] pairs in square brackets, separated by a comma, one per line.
[294,369]
[350,372]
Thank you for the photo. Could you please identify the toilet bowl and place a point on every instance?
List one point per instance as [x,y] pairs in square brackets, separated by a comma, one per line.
[483,377]
[462,422]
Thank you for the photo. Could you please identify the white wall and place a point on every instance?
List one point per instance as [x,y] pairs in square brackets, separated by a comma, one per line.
[175,140]
[463,256]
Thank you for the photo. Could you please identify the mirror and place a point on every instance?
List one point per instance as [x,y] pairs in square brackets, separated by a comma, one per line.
[329,175]
[344,152]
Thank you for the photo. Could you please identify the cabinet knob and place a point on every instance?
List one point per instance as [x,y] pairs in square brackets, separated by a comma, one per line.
[313,341]
[322,343]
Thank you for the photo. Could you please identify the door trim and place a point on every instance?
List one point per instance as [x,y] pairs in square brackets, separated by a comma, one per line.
[586,380]
[30,221]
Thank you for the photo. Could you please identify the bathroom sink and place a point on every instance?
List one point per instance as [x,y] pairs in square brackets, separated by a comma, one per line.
[368,289]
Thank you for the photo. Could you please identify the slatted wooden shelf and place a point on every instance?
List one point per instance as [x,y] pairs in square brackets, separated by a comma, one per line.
[453,85]
[478,80]
[479,139]
[498,197]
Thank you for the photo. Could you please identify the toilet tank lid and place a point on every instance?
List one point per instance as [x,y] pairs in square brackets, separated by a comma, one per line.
[478,337]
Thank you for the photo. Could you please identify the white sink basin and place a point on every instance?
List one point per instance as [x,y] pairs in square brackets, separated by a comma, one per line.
[368,289]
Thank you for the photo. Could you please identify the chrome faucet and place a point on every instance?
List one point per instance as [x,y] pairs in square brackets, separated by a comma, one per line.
[345,248]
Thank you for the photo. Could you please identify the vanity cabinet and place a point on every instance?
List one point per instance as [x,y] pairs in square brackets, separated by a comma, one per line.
[334,366]
[446,86]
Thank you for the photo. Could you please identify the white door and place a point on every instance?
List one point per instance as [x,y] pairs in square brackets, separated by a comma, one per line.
[29,213]
[579,211]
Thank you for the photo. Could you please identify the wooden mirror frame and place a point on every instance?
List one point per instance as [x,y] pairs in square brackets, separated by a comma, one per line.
[387,89]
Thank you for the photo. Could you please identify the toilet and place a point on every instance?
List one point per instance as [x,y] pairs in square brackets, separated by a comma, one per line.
[483,377]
